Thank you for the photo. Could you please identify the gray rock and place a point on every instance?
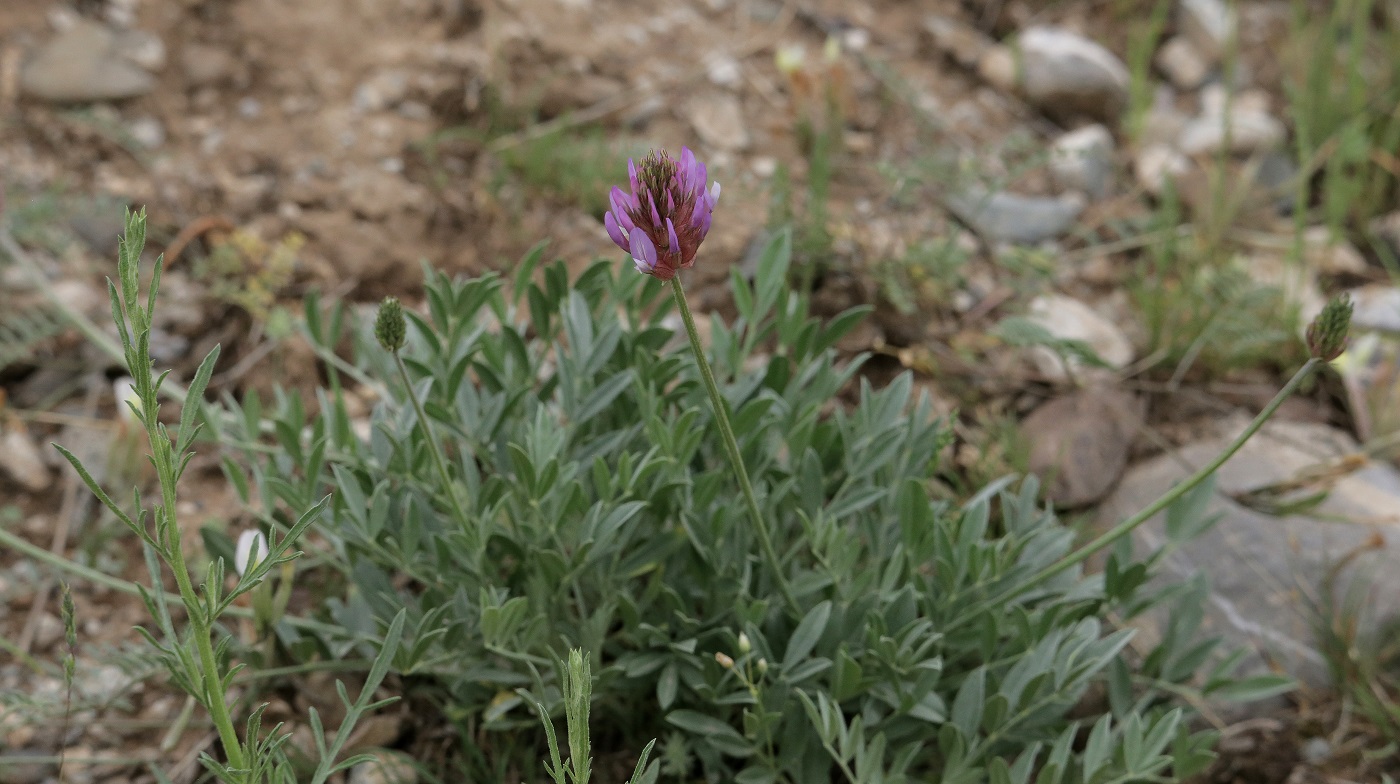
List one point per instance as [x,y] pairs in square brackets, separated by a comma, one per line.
[1061,72]
[1208,24]
[718,120]
[1079,443]
[83,64]
[1376,307]
[1275,178]
[1083,160]
[1014,218]
[1067,318]
[1182,63]
[1265,569]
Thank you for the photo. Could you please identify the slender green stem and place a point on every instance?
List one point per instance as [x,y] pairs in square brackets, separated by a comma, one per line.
[434,448]
[731,445]
[1112,535]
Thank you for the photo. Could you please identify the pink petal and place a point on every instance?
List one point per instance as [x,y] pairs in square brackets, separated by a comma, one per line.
[643,252]
[615,231]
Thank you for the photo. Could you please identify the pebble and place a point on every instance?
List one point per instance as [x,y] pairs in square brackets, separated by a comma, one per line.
[1083,160]
[1316,750]
[147,131]
[1061,72]
[81,64]
[1011,217]
[385,767]
[1156,165]
[723,70]
[1182,63]
[718,120]
[1080,443]
[1245,128]
[1066,318]
[1208,24]
[21,460]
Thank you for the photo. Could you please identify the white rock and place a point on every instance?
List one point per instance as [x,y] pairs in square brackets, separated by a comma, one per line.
[723,70]
[1209,24]
[1067,318]
[1245,130]
[21,460]
[1179,59]
[1158,164]
[1063,73]
[1083,159]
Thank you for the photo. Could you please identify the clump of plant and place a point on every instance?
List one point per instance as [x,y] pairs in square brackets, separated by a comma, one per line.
[757,576]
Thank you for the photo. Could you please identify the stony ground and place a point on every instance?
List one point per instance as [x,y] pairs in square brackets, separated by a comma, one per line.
[334,144]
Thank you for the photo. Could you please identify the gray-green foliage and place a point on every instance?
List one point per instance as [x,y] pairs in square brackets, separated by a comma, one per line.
[599,514]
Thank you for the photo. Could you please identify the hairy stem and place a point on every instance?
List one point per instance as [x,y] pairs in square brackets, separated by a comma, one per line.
[731,446]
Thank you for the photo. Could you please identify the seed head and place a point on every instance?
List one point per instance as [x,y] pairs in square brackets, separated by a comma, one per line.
[389,325]
[1327,334]
[665,216]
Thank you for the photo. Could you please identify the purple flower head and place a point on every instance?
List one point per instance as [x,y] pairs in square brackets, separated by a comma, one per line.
[665,216]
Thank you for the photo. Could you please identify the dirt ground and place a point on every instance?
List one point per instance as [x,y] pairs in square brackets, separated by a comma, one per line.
[378,133]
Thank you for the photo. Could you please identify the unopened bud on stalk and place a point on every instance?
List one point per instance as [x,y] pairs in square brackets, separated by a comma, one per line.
[1327,334]
[252,548]
[390,327]
[128,404]
[744,645]
[762,666]
[724,660]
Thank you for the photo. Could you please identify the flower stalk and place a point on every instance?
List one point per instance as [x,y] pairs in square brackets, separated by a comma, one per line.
[731,446]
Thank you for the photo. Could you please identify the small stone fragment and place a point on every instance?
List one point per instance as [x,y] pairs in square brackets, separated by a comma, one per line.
[1182,63]
[964,43]
[1066,318]
[1208,24]
[385,767]
[1083,160]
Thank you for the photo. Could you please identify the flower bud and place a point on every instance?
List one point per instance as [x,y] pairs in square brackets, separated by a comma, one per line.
[762,666]
[251,549]
[744,645]
[128,403]
[1327,334]
[724,660]
[390,327]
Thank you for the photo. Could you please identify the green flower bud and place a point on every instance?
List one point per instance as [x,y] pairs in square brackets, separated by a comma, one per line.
[1327,334]
[390,326]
